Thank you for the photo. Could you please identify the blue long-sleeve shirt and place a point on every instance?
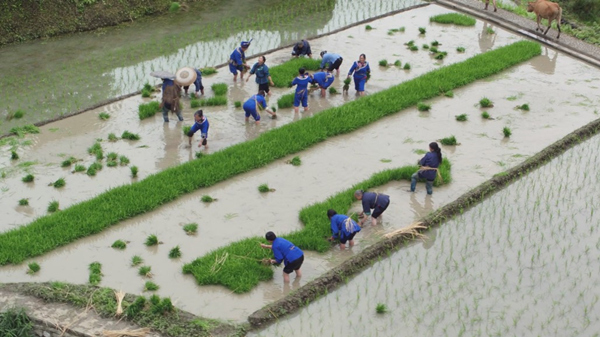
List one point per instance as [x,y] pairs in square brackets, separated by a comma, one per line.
[360,70]
[198,81]
[431,160]
[237,56]
[254,101]
[301,83]
[167,82]
[285,251]
[262,73]
[323,79]
[305,50]
[370,200]
[202,126]
[343,226]
[329,58]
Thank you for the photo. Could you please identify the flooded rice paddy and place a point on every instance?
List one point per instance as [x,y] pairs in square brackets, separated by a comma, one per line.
[521,263]
[559,90]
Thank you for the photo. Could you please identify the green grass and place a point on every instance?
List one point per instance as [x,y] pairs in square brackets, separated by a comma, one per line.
[131,136]
[147,110]
[507,132]
[127,201]
[21,131]
[194,103]
[208,71]
[220,89]
[174,7]
[151,240]
[136,260]
[145,271]
[207,198]
[59,183]
[79,168]
[95,273]
[454,18]
[485,115]
[383,63]
[237,104]
[23,202]
[150,286]
[175,253]
[462,117]
[486,103]
[283,74]
[448,141]
[423,106]
[119,244]
[449,93]
[524,107]
[296,161]
[14,322]
[34,267]
[211,101]
[103,116]
[422,30]
[191,228]
[233,267]
[381,308]
[286,101]
[53,206]
[14,155]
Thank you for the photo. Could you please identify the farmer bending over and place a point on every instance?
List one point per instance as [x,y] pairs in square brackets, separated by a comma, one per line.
[342,228]
[377,202]
[237,60]
[302,48]
[197,84]
[254,104]
[324,80]
[428,169]
[171,92]
[331,61]
[285,251]
[202,125]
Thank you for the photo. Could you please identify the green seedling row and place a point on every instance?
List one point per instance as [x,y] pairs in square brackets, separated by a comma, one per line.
[454,18]
[286,101]
[283,74]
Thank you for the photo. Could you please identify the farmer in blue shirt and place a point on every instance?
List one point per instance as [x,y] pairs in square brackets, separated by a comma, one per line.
[428,169]
[361,72]
[237,60]
[254,104]
[197,84]
[342,228]
[263,78]
[377,202]
[285,251]
[331,61]
[324,80]
[202,125]
[302,48]
[301,82]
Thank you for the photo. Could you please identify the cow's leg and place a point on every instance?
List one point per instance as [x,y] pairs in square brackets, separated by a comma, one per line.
[549,25]
[558,26]
[539,18]
[487,2]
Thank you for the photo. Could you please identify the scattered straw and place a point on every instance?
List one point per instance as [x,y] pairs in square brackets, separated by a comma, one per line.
[119,295]
[126,333]
[412,230]
[219,261]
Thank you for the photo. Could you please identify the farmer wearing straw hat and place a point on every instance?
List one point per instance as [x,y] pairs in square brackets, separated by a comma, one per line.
[254,104]
[428,169]
[301,82]
[331,61]
[324,80]
[263,78]
[202,125]
[378,202]
[237,60]
[302,48]
[197,84]
[285,251]
[342,228]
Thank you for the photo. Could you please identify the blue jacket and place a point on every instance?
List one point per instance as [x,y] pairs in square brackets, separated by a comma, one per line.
[431,159]
[202,126]
[301,84]
[370,200]
[323,79]
[250,104]
[329,58]
[237,57]
[167,82]
[360,71]
[262,73]
[343,226]
[198,81]
[305,50]
[285,251]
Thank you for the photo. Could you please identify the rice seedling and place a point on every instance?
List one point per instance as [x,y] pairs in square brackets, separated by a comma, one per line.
[208,71]
[433,50]
[419,151]
[506,131]
[131,136]
[219,89]
[174,7]
[454,18]
[486,103]
[368,27]
[53,206]
[149,109]
[333,90]
[283,74]
[485,115]
[490,31]
[401,29]
[410,43]
[385,160]
[199,155]
[136,260]
[95,148]
[59,183]
[150,286]
[448,141]
[14,155]
[112,156]
[440,55]
[422,30]
[119,244]
[524,107]
[413,48]
[212,101]
[95,273]
[146,93]
[460,49]
[21,131]
[207,199]
[286,101]
[91,171]
[134,171]
[461,117]
[449,93]
[263,188]
[103,116]
[425,46]
[191,228]
[175,253]
[252,154]
[34,267]
[68,162]
[296,161]
[397,63]
[18,114]
[237,104]
[423,106]
[123,161]
[145,271]
[381,308]
[383,63]
[273,108]
[151,240]
[194,103]
[23,202]
[79,168]
[406,66]
[148,87]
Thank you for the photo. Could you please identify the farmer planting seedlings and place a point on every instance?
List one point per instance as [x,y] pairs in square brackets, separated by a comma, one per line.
[202,125]
[361,72]
[254,104]
[285,251]
[428,169]
[331,61]
[343,228]
[301,96]
[324,80]
[302,48]
[170,99]
[197,84]
[263,78]
[378,202]
[237,60]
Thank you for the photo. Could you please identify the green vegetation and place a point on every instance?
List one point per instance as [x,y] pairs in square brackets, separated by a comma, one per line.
[136,260]
[112,137]
[263,188]
[238,104]
[95,273]
[433,50]
[413,48]
[145,271]
[149,109]
[383,63]
[485,115]
[175,253]
[103,116]
[506,131]
[191,228]
[410,43]
[53,206]
[131,136]
[123,160]
[174,7]
[435,43]
[119,244]
[381,308]
[406,66]
[14,155]
[151,240]
[21,131]
[124,202]
[425,46]
[440,55]
[423,106]
[207,198]
[397,63]
[150,286]
[422,30]
[462,117]
[146,93]
[220,89]
[79,168]
[489,30]
[211,101]
[486,103]
[59,183]
[19,114]
[286,101]
[385,160]
[134,171]
[333,90]
[28,178]
[449,93]
[208,71]
[34,267]
[368,27]
[15,323]
[283,74]
[296,161]
[524,107]
[68,162]
[238,266]
[454,18]
[24,202]
[194,103]
[460,49]
[448,140]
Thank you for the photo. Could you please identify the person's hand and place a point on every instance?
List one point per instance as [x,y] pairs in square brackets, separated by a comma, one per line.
[272,261]
[248,79]
[263,245]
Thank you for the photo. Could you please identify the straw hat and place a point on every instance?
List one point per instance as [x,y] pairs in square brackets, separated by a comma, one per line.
[185,76]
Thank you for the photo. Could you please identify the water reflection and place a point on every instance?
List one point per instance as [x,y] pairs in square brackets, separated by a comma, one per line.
[486,40]
[544,63]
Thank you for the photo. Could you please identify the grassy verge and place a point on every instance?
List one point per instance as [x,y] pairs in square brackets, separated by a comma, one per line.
[454,18]
[153,312]
[283,74]
[93,216]
[238,266]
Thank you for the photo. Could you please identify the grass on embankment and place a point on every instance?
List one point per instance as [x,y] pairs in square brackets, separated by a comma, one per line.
[92,216]
[233,265]
[283,74]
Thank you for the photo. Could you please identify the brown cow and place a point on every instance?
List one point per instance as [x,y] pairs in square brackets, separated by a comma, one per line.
[487,2]
[544,9]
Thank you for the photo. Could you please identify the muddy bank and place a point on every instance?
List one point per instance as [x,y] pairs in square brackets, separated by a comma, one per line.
[335,277]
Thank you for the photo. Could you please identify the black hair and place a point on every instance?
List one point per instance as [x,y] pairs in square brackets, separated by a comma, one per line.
[323,53]
[301,71]
[436,148]
[261,92]
[363,55]
[264,58]
[199,113]
[331,213]
[270,236]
